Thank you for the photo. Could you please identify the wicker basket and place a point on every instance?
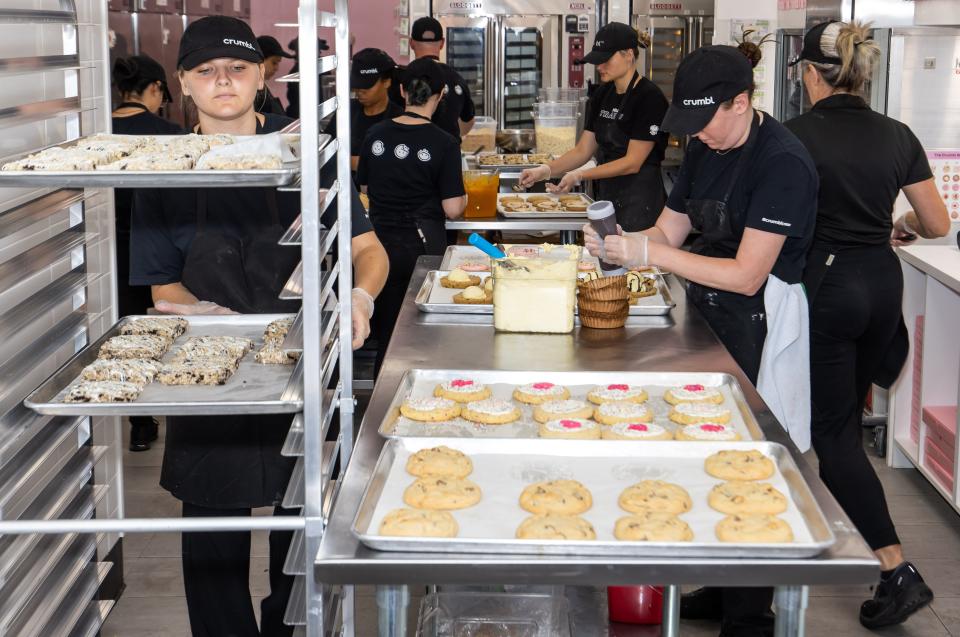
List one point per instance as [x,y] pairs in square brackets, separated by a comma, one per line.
[603,321]
[603,307]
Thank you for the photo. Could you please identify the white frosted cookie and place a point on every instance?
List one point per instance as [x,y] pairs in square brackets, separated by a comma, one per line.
[197,372]
[538,393]
[102,391]
[429,409]
[693,394]
[491,411]
[417,523]
[475,266]
[439,461]
[555,527]
[613,413]
[557,497]
[235,347]
[636,431]
[570,428]
[442,494]
[739,465]
[459,280]
[134,346]
[138,371]
[693,413]
[738,496]
[757,528]
[655,495]
[617,393]
[556,409]
[170,328]
[652,526]
[462,390]
[708,432]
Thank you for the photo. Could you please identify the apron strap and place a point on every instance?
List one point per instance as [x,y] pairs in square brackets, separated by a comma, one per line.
[133,105]
[415,116]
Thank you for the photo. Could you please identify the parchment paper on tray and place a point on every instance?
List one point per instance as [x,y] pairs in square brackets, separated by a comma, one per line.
[256,152]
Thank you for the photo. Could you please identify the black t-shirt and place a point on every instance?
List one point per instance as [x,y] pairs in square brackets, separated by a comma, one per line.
[409,169]
[864,159]
[775,192]
[456,105]
[164,220]
[638,112]
[360,122]
[266,102]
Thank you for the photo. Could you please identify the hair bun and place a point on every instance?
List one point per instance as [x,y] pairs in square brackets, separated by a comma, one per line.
[644,38]
[125,69]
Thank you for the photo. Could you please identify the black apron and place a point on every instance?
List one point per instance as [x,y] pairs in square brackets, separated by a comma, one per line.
[638,199]
[233,461]
[738,320]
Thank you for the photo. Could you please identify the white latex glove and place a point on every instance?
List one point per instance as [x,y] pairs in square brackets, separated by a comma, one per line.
[592,241]
[903,234]
[361,313]
[190,309]
[568,182]
[628,250]
[531,176]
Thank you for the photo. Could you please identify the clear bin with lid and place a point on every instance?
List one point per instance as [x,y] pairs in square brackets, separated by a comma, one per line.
[560,94]
[556,109]
[555,135]
[536,294]
[455,614]
[482,135]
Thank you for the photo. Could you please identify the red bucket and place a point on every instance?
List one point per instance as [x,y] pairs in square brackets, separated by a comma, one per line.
[635,604]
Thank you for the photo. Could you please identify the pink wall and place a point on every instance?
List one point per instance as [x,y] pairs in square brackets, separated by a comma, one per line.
[373,22]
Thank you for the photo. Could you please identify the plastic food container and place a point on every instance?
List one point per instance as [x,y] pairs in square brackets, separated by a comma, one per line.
[481,187]
[475,614]
[555,135]
[482,135]
[536,294]
[560,94]
[635,604]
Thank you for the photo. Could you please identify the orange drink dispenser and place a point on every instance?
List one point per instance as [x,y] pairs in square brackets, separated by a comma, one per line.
[481,187]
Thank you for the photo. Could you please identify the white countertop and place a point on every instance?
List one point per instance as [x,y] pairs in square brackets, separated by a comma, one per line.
[942,262]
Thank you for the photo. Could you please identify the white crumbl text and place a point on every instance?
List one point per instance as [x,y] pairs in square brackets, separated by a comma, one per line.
[703,101]
[776,222]
[239,43]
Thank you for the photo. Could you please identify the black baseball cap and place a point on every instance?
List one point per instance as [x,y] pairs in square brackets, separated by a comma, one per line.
[613,37]
[426,29]
[270,47]
[369,65]
[705,79]
[142,67]
[426,69]
[294,45]
[215,37]
[812,52]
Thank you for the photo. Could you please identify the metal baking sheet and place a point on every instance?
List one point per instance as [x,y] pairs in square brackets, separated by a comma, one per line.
[154,178]
[607,468]
[253,389]
[421,383]
[533,214]
[503,165]
[434,298]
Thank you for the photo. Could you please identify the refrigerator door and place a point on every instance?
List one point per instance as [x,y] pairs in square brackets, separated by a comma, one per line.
[790,99]
[159,37]
[469,52]
[670,39]
[530,59]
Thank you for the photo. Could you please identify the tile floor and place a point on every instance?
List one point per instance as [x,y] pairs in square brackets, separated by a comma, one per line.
[153,604]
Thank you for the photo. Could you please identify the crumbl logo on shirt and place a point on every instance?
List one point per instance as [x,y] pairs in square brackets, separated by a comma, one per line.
[242,43]
[458,90]
[423,155]
[614,114]
[402,151]
[776,222]
[378,148]
[703,101]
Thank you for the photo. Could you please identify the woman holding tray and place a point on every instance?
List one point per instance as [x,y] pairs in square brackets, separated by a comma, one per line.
[215,251]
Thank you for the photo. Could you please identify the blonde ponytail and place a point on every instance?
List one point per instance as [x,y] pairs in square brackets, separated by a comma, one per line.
[851,43]
[644,38]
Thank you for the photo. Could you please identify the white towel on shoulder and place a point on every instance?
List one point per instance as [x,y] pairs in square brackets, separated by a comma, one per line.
[784,380]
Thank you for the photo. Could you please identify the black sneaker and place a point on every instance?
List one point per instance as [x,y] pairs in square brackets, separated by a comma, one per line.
[703,603]
[896,598]
[143,431]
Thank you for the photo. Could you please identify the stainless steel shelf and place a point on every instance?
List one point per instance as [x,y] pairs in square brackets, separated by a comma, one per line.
[73,610]
[36,16]
[39,64]
[93,618]
[325,63]
[36,210]
[296,613]
[42,255]
[294,234]
[295,564]
[38,111]
[293,288]
[293,444]
[294,496]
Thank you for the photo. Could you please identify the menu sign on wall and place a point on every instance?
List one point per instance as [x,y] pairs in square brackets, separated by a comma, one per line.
[945,165]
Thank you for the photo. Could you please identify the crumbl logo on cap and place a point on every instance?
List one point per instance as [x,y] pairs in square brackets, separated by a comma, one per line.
[242,43]
[368,71]
[703,101]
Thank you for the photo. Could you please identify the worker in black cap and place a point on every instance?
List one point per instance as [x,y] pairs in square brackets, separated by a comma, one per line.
[411,170]
[371,77]
[749,187]
[622,130]
[456,111]
[293,88]
[216,251]
[142,85]
[273,54]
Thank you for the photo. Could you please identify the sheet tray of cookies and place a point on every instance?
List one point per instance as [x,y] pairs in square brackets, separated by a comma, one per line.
[623,500]
[538,205]
[645,407]
[179,366]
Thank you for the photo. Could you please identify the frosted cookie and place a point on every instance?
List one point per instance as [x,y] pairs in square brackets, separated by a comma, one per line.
[272,354]
[429,409]
[491,411]
[276,331]
[475,266]
[613,413]
[588,276]
[652,526]
[462,390]
[640,286]
[538,393]
[439,461]
[555,409]
[570,428]
[169,328]
[102,391]
[738,496]
[473,295]
[442,494]
[488,286]
[235,347]
[134,346]
[152,161]
[196,372]
[655,495]
[708,432]
[138,371]
[754,529]
[693,394]
[636,431]
[415,523]
[555,527]
[693,413]
[459,279]
[558,497]
[241,162]
[587,266]
[739,465]
[617,393]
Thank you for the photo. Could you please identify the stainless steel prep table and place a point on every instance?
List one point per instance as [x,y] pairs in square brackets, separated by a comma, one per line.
[682,343]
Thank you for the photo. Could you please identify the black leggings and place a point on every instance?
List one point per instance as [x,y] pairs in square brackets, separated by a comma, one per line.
[854,317]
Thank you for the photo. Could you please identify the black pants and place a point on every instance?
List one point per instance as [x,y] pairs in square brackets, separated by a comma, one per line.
[854,317]
[216,576]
